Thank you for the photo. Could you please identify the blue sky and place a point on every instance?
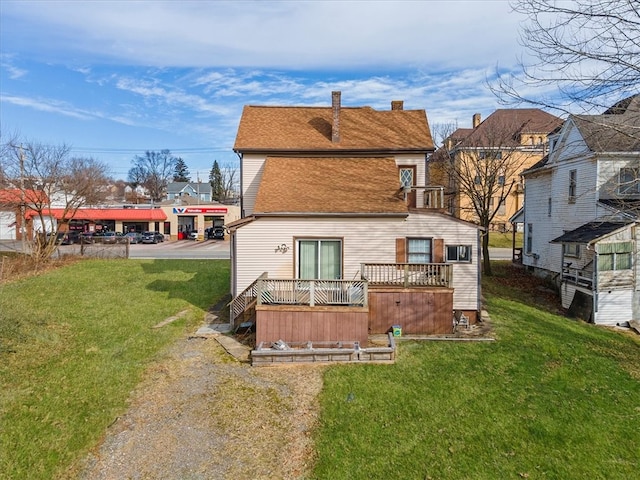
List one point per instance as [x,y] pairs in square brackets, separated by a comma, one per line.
[115,78]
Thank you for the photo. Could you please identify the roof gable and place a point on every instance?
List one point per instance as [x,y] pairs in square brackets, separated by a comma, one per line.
[329,185]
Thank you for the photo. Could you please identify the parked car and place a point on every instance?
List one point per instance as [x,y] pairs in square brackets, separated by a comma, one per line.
[133,237]
[152,237]
[193,235]
[86,237]
[105,237]
[216,233]
[71,237]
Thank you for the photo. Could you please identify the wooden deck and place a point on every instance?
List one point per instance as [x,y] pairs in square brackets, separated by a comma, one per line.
[303,323]
[419,311]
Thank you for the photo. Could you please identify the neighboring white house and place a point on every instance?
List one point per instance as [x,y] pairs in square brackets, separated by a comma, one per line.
[581,214]
[198,190]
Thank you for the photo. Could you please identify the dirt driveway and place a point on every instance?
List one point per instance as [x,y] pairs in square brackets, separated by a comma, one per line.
[200,414]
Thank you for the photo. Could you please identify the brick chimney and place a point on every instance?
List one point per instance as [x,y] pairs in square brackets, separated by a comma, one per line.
[397,105]
[476,120]
[335,107]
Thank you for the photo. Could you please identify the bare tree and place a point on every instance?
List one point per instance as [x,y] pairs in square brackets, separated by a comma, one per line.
[481,167]
[583,59]
[582,55]
[154,171]
[43,177]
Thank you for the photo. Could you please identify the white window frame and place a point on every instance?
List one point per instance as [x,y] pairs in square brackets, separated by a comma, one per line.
[412,241]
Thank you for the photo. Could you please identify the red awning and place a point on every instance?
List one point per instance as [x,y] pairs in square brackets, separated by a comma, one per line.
[117,214]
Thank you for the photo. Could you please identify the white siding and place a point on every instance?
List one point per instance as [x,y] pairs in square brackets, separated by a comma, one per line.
[614,306]
[608,175]
[567,292]
[365,240]
[543,254]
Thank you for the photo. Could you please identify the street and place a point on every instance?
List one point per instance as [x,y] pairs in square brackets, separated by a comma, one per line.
[192,249]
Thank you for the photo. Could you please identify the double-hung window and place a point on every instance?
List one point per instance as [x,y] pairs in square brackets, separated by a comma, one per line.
[419,250]
[319,259]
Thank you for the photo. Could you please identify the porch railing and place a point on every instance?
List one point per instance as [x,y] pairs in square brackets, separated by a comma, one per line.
[408,274]
[434,197]
[578,276]
[311,292]
[241,303]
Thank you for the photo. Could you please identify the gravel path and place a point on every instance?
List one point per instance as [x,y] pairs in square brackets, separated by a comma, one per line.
[200,414]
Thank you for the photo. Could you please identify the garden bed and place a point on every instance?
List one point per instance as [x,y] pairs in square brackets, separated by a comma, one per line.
[274,353]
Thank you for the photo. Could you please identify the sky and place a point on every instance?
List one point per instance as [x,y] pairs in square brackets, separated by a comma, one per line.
[113,79]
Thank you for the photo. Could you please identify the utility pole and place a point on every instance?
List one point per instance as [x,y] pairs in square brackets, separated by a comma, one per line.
[22,200]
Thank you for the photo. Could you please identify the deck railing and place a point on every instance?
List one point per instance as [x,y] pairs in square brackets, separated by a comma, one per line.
[311,292]
[242,302]
[577,276]
[408,274]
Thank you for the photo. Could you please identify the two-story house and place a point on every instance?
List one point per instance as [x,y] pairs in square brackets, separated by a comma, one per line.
[581,214]
[481,166]
[336,240]
[197,190]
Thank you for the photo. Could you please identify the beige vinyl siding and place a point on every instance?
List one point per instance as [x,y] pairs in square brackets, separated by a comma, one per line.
[252,166]
[365,240]
[465,275]
[420,178]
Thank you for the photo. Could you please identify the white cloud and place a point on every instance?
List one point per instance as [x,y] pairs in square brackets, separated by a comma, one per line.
[46,106]
[274,34]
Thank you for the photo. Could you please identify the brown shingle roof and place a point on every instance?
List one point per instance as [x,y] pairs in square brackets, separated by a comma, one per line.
[305,129]
[507,125]
[329,185]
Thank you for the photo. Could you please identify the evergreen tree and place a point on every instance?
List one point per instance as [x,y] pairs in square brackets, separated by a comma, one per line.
[181,173]
[216,182]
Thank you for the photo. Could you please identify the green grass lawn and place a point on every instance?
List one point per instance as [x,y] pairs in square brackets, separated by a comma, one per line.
[504,240]
[73,344]
[551,398]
